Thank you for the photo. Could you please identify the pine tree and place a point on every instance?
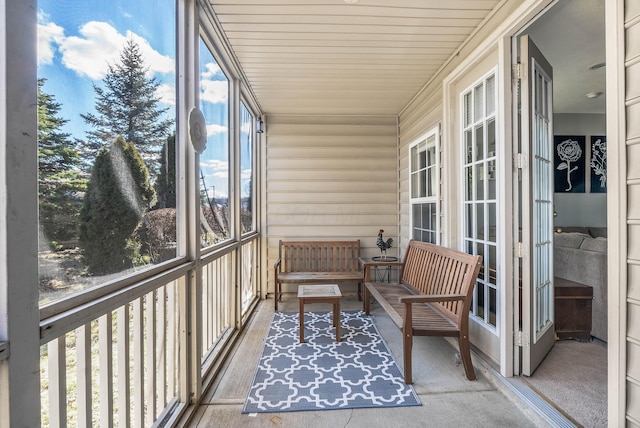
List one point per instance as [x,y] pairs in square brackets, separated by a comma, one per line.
[128,106]
[118,195]
[166,181]
[59,181]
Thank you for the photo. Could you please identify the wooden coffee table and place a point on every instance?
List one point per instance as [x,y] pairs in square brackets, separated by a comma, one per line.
[322,293]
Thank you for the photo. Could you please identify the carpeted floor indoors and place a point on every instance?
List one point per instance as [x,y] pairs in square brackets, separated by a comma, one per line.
[574,377]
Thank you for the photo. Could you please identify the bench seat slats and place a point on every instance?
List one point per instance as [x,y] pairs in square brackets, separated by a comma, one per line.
[425,317]
[318,277]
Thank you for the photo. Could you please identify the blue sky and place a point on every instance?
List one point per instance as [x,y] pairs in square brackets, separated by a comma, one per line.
[77,40]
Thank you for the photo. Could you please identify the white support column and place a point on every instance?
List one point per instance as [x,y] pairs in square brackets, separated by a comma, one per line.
[189,288]
[617,212]
[19,316]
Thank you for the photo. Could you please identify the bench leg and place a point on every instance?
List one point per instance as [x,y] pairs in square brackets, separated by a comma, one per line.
[465,355]
[367,301]
[407,342]
[406,352]
[301,304]
[277,296]
[360,291]
[336,319]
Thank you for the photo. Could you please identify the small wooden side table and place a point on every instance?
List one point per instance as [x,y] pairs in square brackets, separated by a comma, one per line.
[573,309]
[322,293]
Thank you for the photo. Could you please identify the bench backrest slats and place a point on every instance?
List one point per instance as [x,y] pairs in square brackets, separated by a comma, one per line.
[431,269]
[319,256]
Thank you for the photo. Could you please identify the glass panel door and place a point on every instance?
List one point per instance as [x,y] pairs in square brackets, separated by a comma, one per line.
[536,206]
[480,197]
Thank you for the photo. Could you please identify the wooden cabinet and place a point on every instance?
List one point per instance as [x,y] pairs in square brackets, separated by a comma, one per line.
[573,302]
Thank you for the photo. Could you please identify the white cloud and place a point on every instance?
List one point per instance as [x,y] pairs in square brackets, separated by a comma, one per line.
[212,69]
[216,129]
[98,45]
[166,94]
[214,91]
[246,174]
[48,34]
[156,62]
[216,173]
[90,54]
[245,127]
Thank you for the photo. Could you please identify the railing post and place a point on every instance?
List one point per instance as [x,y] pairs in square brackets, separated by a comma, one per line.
[105,336]
[83,358]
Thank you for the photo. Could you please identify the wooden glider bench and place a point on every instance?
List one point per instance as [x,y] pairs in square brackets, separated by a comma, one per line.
[432,298]
[317,262]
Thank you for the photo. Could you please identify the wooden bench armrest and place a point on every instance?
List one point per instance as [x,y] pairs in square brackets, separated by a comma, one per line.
[276,265]
[432,298]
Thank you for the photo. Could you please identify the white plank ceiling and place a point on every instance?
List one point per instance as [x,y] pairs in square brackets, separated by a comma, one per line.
[337,57]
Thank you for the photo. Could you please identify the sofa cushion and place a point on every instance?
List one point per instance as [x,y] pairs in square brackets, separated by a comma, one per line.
[594,244]
[569,240]
[572,229]
[598,232]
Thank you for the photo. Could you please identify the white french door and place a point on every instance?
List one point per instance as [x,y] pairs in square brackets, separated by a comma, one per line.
[536,207]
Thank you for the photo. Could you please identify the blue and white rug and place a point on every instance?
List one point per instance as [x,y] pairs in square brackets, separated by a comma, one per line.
[323,374]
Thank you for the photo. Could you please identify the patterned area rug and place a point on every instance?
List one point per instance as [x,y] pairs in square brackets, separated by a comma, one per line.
[323,374]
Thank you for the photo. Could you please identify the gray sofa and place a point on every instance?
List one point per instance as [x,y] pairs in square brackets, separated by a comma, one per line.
[580,255]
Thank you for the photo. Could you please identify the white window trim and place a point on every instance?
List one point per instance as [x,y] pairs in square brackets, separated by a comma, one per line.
[433,132]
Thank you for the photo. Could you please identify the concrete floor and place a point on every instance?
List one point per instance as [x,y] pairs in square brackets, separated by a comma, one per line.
[448,398]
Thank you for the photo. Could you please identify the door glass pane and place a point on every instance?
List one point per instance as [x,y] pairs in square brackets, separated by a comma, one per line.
[490,85]
[478,103]
[491,138]
[106,141]
[492,221]
[491,179]
[479,134]
[542,203]
[479,169]
[479,182]
[214,161]
[480,298]
[492,264]
[468,145]
[480,220]
[470,182]
[493,303]
[467,110]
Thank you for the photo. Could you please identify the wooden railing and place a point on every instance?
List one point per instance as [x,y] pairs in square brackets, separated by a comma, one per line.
[118,360]
[116,370]
[249,272]
[217,289]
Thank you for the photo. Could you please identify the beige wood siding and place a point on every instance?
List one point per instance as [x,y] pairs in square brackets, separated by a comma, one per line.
[331,177]
[632,102]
